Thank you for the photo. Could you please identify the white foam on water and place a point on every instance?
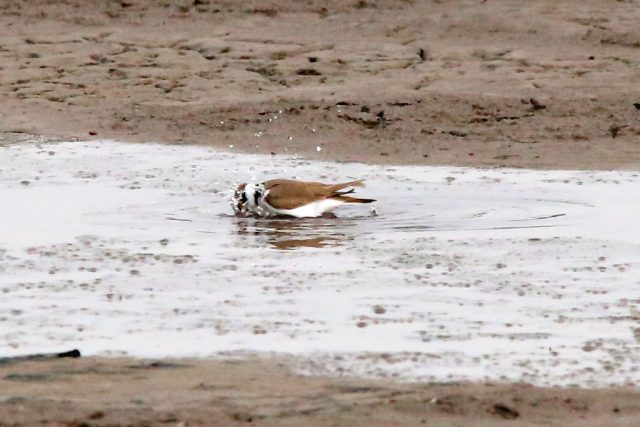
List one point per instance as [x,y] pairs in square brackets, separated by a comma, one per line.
[131,249]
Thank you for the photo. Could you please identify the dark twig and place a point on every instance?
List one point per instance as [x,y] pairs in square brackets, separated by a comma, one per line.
[41,356]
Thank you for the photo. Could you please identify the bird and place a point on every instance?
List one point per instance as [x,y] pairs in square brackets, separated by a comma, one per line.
[288,197]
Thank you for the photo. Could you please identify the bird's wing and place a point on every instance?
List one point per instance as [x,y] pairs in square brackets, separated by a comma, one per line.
[291,194]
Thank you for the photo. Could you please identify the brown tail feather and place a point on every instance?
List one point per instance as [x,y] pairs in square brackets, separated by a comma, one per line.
[337,187]
[342,193]
[349,199]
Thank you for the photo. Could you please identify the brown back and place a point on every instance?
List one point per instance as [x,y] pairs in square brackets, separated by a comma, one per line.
[291,194]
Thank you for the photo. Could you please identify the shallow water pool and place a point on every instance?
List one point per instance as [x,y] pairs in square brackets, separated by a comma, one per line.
[132,249]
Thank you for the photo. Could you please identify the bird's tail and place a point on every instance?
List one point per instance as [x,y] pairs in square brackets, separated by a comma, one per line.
[349,199]
[337,187]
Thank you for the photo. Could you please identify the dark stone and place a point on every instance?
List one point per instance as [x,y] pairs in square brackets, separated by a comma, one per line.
[505,411]
[308,72]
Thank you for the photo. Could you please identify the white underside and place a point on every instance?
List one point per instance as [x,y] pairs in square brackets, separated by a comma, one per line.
[313,209]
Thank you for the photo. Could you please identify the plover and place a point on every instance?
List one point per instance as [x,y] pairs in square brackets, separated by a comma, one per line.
[299,199]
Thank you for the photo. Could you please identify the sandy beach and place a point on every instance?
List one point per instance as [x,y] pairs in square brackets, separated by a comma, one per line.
[538,84]
[133,392]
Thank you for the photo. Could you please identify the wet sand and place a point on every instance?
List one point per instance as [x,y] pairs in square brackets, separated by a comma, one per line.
[539,84]
[544,84]
[186,392]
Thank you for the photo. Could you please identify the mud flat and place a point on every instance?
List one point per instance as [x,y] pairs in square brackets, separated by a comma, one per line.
[467,283]
[462,274]
[264,392]
[536,84]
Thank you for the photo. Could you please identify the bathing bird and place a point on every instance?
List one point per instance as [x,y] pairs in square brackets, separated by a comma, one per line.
[300,199]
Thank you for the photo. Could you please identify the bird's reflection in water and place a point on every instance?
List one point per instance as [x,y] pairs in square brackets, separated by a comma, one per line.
[295,233]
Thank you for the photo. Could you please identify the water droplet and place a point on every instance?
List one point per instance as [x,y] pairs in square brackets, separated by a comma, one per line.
[290,138]
[313,130]
[221,122]
[252,169]
[230,145]
[318,148]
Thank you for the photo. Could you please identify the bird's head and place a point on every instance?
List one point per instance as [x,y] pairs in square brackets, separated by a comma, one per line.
[246,198]
[239,200]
